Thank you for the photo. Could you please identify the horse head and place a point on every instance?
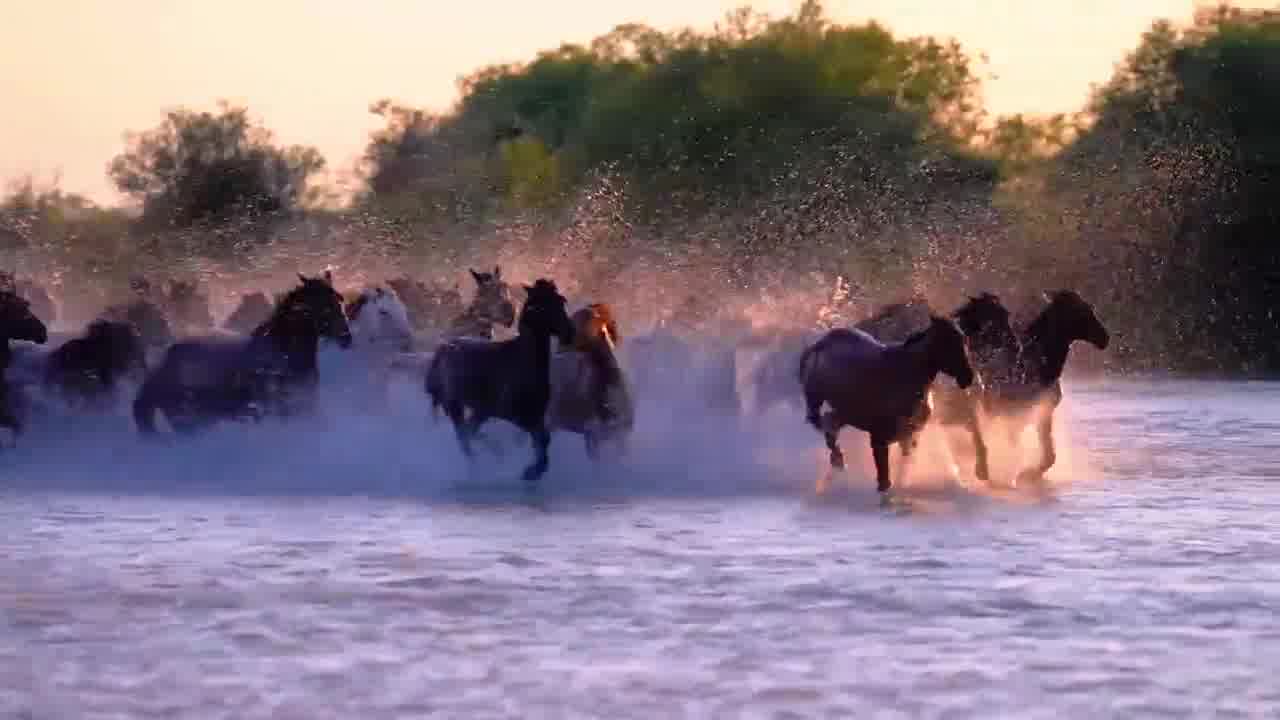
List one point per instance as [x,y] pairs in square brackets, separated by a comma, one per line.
[594,325]
[314,301]
[1075,317]
[544,312]
[378,317]
[949,350]
[986,322]
[493,298]
[17,322]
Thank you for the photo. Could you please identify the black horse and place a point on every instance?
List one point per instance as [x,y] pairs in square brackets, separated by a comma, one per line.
[508,380]
[882,390]
[42,304]
[202,381]
[87,369]
[995,350]
[17,322]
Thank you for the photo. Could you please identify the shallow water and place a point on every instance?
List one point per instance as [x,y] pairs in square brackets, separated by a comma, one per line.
[358,569]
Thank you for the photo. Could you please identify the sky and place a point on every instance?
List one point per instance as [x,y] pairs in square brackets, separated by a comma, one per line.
[75,75]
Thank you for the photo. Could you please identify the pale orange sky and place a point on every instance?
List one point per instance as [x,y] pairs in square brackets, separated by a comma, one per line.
[76,74]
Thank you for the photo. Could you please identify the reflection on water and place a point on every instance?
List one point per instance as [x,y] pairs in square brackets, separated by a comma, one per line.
[360,569]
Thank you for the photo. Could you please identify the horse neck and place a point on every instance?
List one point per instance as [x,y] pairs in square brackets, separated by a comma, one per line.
[1044,354]
[918,358]
[299,348]
[535,345]
[606,361]
[476,320]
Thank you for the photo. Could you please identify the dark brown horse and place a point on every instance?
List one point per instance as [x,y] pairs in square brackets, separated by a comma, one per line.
[202,381]
[253,310]
[1033,390]
[42,304]
[589,393]
[994,349]
[87,370]
[17,322]
[474,381]
[879,389]
[144,313]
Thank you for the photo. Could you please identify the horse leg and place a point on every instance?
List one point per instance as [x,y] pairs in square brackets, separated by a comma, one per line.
[813,408]
[1048,454]
[463,428]
[980,467]
[541,445]
[831,433]
[880,453]
[908,445]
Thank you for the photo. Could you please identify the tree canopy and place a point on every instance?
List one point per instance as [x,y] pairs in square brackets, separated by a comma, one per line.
[202,168]
[753,109]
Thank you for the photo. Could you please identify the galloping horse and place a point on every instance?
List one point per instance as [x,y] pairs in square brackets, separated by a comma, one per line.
[589,393]
[381,331]
[188,306]
[879,389]
[144,314]
[253,310]
[17,322]
[430,308]
[491,306]
[86,370]
[1033,391]
[508,380]
[994,349]
[202,381]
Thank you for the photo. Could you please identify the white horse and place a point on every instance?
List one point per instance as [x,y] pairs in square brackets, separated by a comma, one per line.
[382,332]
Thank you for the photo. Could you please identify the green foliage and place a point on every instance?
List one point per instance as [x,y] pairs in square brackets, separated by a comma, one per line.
[198,169]
[757,109]
[1175,186]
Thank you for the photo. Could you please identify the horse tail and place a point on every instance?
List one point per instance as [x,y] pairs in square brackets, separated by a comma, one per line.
[146,403]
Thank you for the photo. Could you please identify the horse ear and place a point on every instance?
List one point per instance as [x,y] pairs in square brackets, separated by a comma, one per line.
[497,273]
[475,275]
[328,277]
[302,277]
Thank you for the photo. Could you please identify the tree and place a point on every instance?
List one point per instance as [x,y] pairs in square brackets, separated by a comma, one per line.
[751,109]
[1178,175]
[205,169]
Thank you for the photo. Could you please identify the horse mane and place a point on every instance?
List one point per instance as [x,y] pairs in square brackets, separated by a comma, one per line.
[283,305]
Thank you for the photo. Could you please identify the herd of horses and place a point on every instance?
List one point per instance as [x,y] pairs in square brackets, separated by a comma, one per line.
[880,375]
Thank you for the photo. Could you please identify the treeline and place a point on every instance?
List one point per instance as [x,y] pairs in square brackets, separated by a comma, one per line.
[763,153]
